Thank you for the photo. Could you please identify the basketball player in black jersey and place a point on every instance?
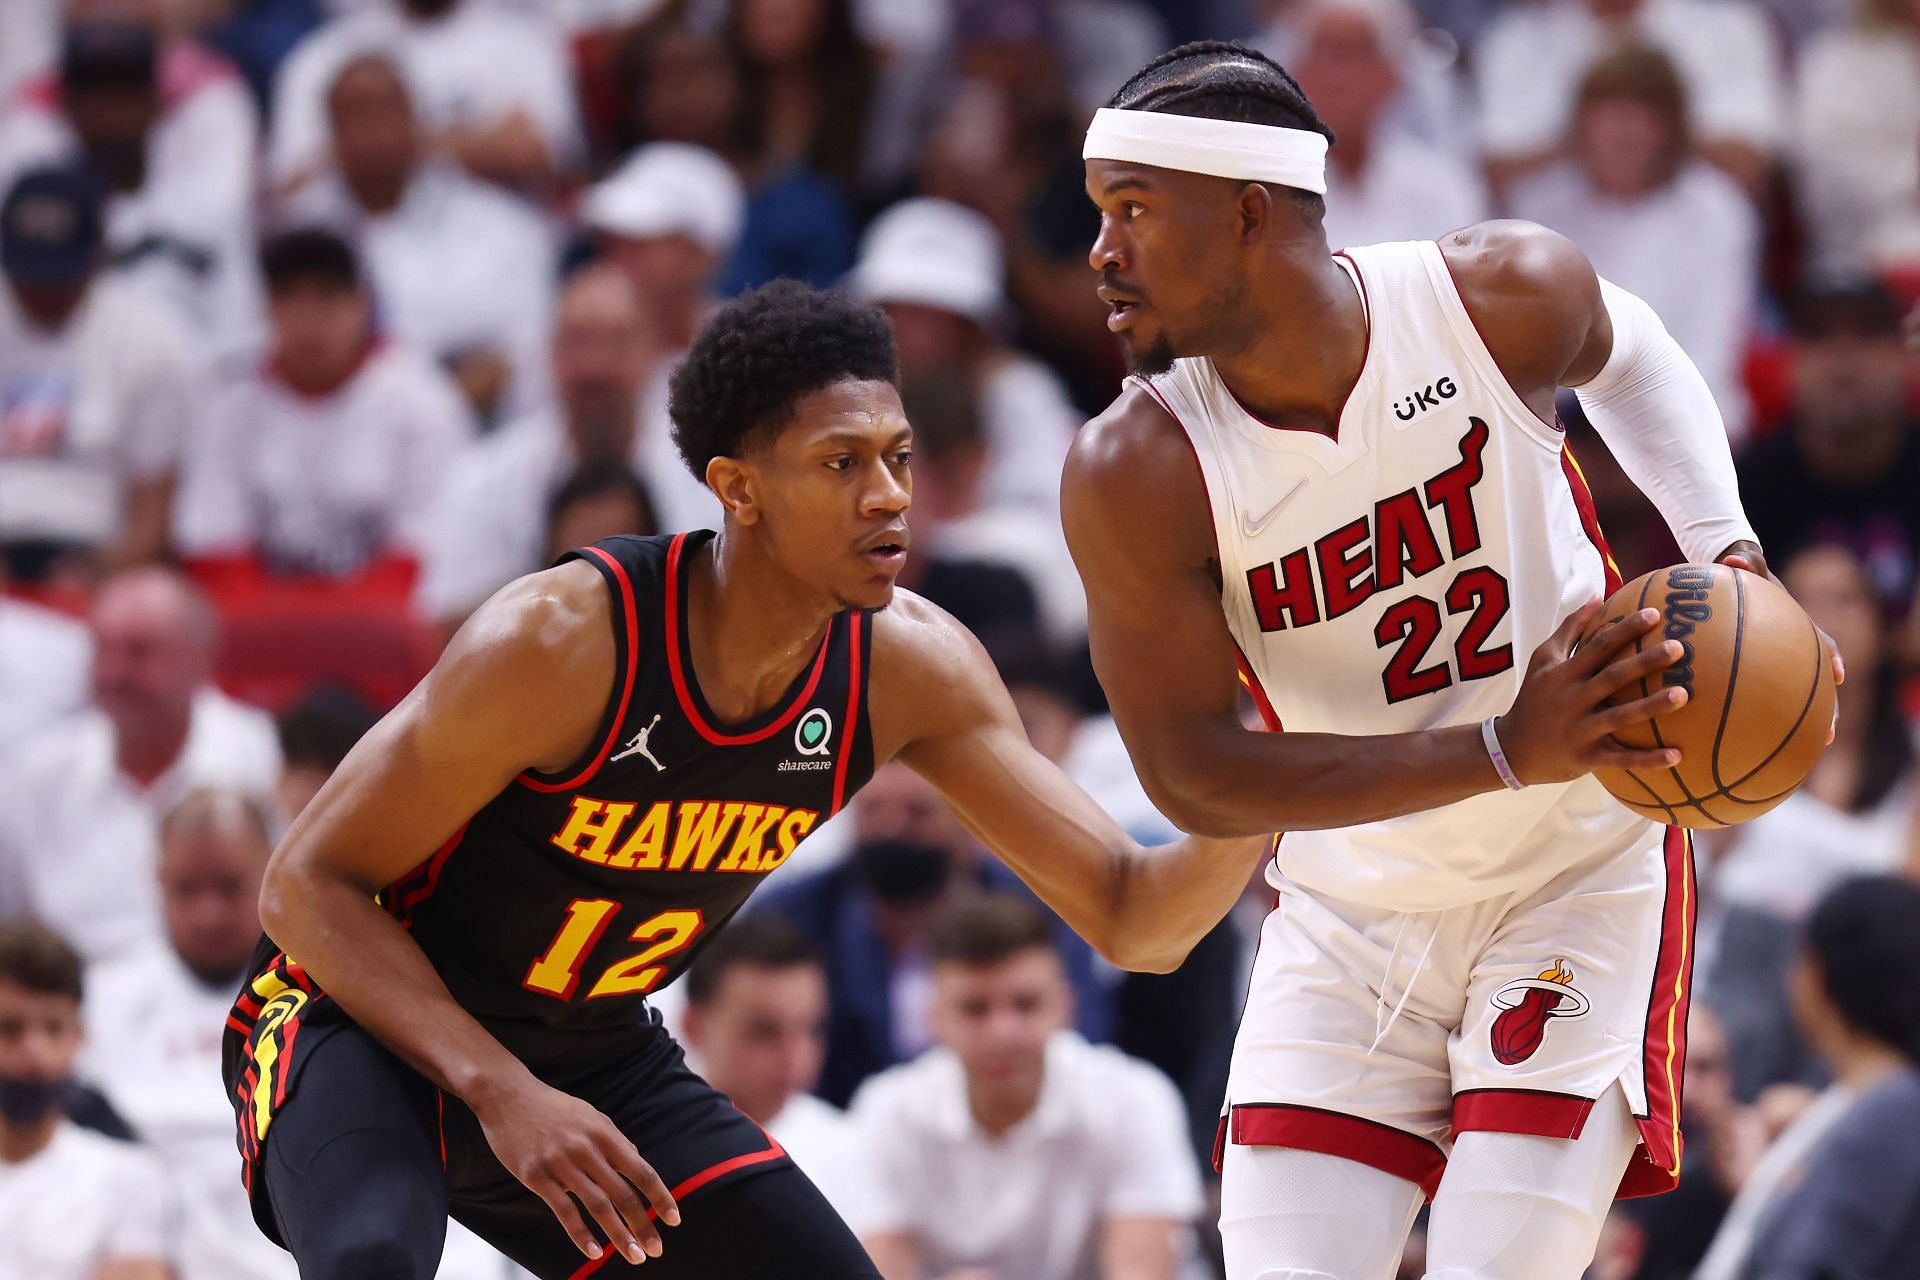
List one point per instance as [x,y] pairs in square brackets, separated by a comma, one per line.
[450,1014]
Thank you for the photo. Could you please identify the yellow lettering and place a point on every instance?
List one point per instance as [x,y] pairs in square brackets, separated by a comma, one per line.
[792,831]
[755,820]
[591,828]
[645,848]
[702,829]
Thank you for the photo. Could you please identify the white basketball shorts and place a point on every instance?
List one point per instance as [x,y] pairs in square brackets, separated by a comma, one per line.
[1378,1035]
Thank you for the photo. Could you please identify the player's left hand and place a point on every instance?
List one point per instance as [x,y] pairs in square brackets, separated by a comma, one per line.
[1748,556]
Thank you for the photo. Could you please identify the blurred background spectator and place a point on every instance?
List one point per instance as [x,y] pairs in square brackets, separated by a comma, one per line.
[80,802]
[462,271]
[171,132]
[495,89]
[97,385]
[1838,1192]
[74,1203]
[1000,1150]
[1357,61]
[327,455]
[756,1026]
[492,517]
[357,309]
[1654,219]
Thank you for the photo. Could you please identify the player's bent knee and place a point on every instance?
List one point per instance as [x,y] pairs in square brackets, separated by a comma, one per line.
[390,1257]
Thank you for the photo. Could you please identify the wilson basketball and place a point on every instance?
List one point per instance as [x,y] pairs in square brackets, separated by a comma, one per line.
[1760,696]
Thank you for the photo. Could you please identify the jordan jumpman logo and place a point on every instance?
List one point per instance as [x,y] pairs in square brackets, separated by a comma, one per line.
[638,747]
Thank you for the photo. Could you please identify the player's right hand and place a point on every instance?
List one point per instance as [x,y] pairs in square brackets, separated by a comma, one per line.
[565,1150]
[1560,727]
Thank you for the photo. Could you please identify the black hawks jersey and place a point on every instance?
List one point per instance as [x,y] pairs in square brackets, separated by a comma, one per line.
[571,895]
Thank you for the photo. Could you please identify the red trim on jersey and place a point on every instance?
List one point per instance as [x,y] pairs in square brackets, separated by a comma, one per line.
[1481,334]
[530,779]
[440,1122]
[676,668]
[854,628]
[1376,1145]
[1537,1112]
[1655,1167]
[1590,518]
[292,1028]
[234,1024]
[428,876]
[773,1152]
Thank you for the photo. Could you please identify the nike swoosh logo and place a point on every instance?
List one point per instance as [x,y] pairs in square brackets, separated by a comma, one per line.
[1252,527]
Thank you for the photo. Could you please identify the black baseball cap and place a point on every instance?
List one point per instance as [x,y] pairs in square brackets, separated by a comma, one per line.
[50,226]
[1850,301]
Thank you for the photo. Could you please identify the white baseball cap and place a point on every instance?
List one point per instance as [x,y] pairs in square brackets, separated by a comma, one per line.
[935,253]
[670,188]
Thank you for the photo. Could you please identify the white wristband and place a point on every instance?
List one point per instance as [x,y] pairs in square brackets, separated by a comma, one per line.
[1499,757]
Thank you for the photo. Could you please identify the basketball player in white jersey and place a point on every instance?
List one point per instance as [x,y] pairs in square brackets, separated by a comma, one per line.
[1342,475]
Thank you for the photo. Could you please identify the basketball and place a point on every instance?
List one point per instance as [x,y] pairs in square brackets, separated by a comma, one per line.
[1760,696]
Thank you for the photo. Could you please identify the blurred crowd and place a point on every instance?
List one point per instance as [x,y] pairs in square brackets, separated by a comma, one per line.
[323,319]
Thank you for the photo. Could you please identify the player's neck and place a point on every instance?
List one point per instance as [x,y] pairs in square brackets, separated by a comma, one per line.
[752,628]
[1305,346]
[20,1142]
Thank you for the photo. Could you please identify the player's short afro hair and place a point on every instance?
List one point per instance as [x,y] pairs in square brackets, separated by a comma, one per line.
[759,354]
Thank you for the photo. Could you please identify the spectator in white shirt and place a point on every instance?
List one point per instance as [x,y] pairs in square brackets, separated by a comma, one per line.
[171,128]
[74,1204]
[1016,1150]
[1383,181]
[491,522]
[1857,136]
[1654,218]
[1531,60]
[755,1025]
[328,455]
[495,88]
[80,803]
[97,382]
[461,271]
[154,1028]
[670,217]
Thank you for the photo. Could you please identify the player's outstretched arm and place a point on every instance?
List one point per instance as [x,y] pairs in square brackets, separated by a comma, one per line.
[521,686]
[940,707]
[1138,523]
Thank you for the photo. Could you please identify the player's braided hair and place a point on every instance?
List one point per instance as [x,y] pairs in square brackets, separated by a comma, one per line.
[1225,80]
[760,354]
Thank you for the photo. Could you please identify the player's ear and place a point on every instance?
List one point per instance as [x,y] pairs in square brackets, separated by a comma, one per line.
[732,483]
[1254,211]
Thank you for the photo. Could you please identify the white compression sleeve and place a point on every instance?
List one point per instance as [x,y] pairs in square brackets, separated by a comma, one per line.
[1657,416]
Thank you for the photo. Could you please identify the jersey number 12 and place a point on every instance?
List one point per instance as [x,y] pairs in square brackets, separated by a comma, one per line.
[557,972]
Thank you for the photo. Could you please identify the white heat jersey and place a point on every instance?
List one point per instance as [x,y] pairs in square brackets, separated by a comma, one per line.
[1398,575]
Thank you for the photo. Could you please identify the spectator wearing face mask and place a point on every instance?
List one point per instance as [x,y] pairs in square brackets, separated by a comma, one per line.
[74,1204]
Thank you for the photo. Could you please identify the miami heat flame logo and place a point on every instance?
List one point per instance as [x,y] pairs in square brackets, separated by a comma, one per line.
[1527,1005]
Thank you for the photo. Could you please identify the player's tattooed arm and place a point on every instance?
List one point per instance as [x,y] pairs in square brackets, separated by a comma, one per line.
[940,707]
[521,686]
[1138,523]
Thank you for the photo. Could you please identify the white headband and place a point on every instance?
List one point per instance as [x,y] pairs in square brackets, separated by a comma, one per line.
[1223,148]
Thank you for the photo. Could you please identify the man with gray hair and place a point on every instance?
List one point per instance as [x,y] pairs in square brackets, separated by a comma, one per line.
[80,803]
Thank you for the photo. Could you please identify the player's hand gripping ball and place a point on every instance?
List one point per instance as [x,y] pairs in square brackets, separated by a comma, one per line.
[1760,688]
